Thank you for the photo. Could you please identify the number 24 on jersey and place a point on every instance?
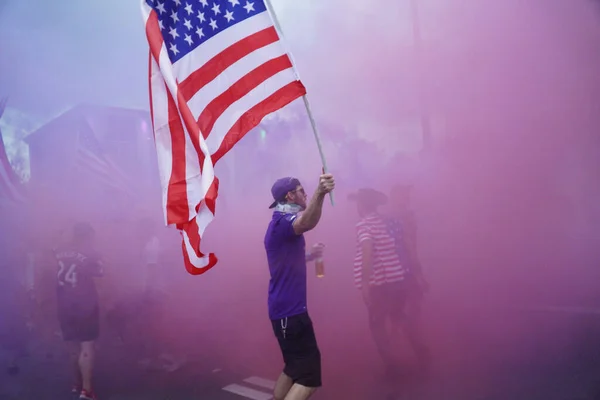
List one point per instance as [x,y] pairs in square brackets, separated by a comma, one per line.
[67,275]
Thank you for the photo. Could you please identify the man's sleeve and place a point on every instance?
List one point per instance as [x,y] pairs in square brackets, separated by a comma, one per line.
[285,226]
[363,234]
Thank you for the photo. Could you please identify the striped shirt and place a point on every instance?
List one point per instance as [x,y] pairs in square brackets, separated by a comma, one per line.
[386,263]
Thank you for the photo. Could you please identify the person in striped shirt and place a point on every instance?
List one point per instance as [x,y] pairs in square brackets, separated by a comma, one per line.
[380,275]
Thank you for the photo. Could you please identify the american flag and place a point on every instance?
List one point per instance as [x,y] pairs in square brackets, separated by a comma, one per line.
[11,188]
[94,161]
[216,70]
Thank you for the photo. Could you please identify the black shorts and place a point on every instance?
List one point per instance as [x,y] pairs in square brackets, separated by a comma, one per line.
[298,344]
[388,301]
[79,326]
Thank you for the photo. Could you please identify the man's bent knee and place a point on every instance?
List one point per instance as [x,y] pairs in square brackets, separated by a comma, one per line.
[282,387]
[300,392]
[86,349]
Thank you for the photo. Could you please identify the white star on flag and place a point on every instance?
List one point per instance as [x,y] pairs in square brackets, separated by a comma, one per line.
[249,7]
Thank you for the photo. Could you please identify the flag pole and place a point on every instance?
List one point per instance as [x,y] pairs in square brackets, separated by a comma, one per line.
[313,123]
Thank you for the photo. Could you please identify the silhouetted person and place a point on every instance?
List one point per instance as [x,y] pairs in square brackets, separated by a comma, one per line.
[13,300]
[156,299]
[77,303]
[381,276]
[141,318]
[403,225]
[286,255]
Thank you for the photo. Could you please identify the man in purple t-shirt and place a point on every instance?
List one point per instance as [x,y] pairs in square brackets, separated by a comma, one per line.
[286,254]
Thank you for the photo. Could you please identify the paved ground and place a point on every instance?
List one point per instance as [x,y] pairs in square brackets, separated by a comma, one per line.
[475,362]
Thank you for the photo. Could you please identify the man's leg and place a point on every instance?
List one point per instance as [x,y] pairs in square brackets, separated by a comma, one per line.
[13,342]
[300,392]
[378,313]
[285,389]
[377,325]
[308,365]
[69,329]
[406,315]
[86,334]
[282,386]
[86,364]
[74,353]
[301,356]
[14,336]
[412,329]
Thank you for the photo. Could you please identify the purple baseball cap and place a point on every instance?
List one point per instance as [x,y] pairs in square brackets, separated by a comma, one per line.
[282,187]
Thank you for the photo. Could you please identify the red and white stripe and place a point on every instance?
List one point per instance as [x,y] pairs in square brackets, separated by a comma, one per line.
[222,89]
[386,263]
